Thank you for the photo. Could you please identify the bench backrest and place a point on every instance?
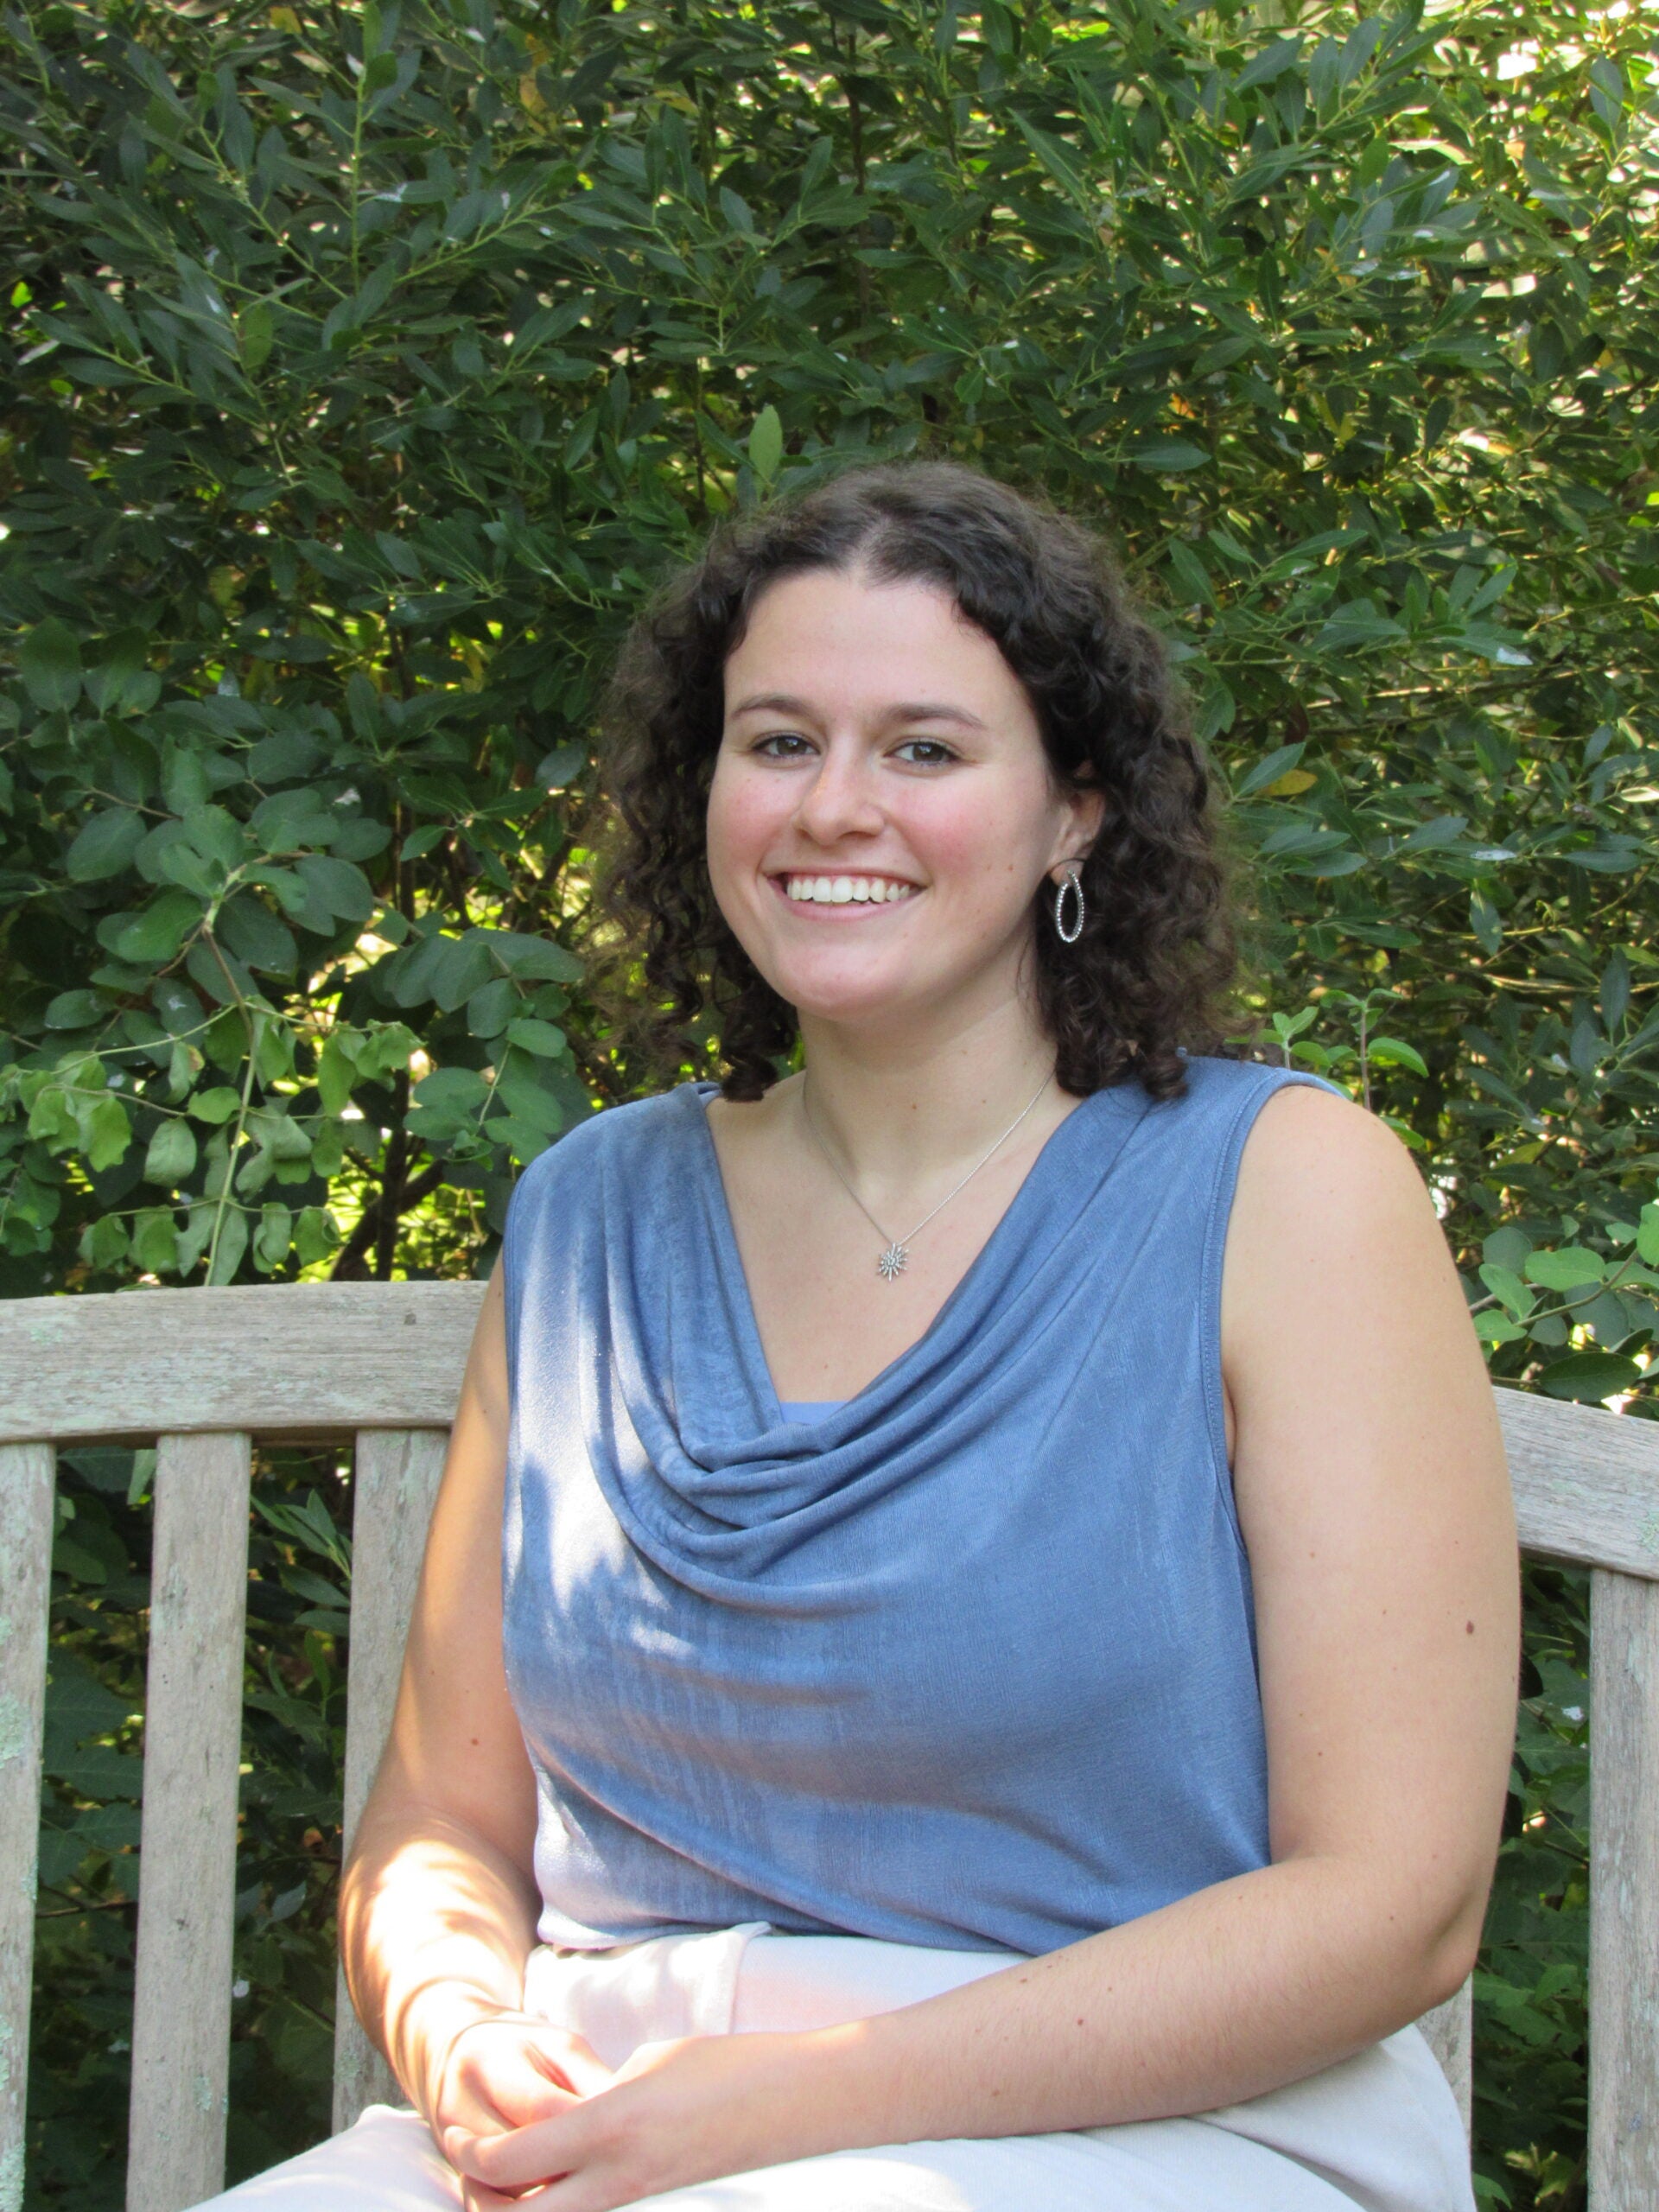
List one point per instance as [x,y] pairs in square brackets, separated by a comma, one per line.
[202,1374]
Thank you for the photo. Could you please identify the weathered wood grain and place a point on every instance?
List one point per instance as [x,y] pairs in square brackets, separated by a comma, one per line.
[1623,1893]
[283,1359]
[130,1363]
[26,1526]
[187,1861]
[394,1485]
[1586,1483]
[1450,2032]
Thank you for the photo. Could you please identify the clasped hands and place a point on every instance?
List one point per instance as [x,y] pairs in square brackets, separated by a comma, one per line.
[527,2112]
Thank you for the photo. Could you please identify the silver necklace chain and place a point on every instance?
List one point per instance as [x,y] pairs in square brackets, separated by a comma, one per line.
[892,1262]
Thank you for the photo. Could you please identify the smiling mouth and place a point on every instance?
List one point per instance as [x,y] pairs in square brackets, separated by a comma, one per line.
[804,890]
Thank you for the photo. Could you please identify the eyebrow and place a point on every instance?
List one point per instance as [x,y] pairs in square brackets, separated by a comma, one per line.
[916,710]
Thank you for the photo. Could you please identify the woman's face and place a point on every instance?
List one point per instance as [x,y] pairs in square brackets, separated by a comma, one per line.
[882,812]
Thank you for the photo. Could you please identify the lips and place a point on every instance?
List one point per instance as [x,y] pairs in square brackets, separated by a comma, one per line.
[844,890]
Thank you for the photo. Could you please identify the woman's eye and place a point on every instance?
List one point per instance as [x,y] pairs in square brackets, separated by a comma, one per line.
[924,752]
[783,745]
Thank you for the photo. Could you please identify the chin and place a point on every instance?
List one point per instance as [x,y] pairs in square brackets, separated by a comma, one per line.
[865,1009]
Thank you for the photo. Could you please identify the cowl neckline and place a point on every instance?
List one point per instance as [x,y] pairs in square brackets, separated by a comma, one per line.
[714,1484]
[723,1235]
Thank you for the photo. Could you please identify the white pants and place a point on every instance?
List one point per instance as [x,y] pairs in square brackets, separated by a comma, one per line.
[1379,2131]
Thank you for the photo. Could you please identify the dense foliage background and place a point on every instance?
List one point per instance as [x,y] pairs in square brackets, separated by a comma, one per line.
[362,368]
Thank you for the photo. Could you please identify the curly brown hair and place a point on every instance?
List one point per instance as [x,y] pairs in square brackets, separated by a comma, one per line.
[1155,971]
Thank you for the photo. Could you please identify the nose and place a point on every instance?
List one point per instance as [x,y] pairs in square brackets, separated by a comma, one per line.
[840,801]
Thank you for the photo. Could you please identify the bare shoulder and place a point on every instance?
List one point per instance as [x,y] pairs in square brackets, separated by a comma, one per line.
[1339,1284]
[1305,1141]
[1323,1184]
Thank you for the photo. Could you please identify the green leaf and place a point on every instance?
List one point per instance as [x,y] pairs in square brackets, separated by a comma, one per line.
[74,1010]
[105,844]
[540,1038]
[1269,64]
[217,835]
[255,936]
[767,444]
[527,1102]
[1358,48]
[1569,1269]
[155,1241]
[335,1077]
[272,1238]
[451,1091]
[1357,625]
[315,1237]
[1507,1286]
[1487,923]
[736,211]
[1168,454]
[1056,158]
[337,886]
[533,959]
[50,664]
[105,1135]
[490,1010]
[160,930]
[216,1105]
[1269,769]
[172,1152]
[1395,1052]
[232,1244]
[1191,578]
[559,769]
[463,967]
[1507,1247]
[1590,1376]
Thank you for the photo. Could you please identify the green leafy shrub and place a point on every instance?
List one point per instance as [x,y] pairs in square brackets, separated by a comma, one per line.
[363,368]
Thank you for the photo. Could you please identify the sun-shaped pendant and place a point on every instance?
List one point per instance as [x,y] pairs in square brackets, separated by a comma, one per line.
[892,1262]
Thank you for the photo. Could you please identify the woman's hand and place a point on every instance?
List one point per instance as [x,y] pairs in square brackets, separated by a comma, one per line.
[501,2075]
[675,2113]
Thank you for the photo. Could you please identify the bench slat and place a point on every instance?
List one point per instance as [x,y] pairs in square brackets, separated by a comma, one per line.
[26,1531]
[279,1359]
[1623,1893]
[127,1364]
[395,1486]
[1587,1488]
[187,1864]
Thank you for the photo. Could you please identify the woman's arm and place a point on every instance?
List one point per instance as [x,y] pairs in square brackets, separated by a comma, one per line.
[438,1901]
[1372,1485]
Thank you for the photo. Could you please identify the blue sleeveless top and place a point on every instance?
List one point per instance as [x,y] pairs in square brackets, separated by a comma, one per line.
[966,1661]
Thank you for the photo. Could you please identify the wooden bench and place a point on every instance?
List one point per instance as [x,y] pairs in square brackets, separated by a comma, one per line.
[203,1374]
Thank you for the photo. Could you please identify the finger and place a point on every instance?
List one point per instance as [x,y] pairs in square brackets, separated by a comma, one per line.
[576,2061]
[465,2146]
[475,2197]
[543,2152]
[524,2085]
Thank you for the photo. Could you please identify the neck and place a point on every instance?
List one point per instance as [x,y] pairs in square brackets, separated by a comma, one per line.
[900,1112]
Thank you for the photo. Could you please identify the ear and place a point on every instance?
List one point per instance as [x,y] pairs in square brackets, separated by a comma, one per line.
[1085,811]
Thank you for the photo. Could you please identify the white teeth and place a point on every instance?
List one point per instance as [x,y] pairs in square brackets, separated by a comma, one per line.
[845,890]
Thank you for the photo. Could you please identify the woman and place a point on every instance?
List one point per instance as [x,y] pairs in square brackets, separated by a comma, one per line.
[999,1539]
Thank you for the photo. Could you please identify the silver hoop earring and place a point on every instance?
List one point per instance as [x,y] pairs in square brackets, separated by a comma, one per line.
[1071,882]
